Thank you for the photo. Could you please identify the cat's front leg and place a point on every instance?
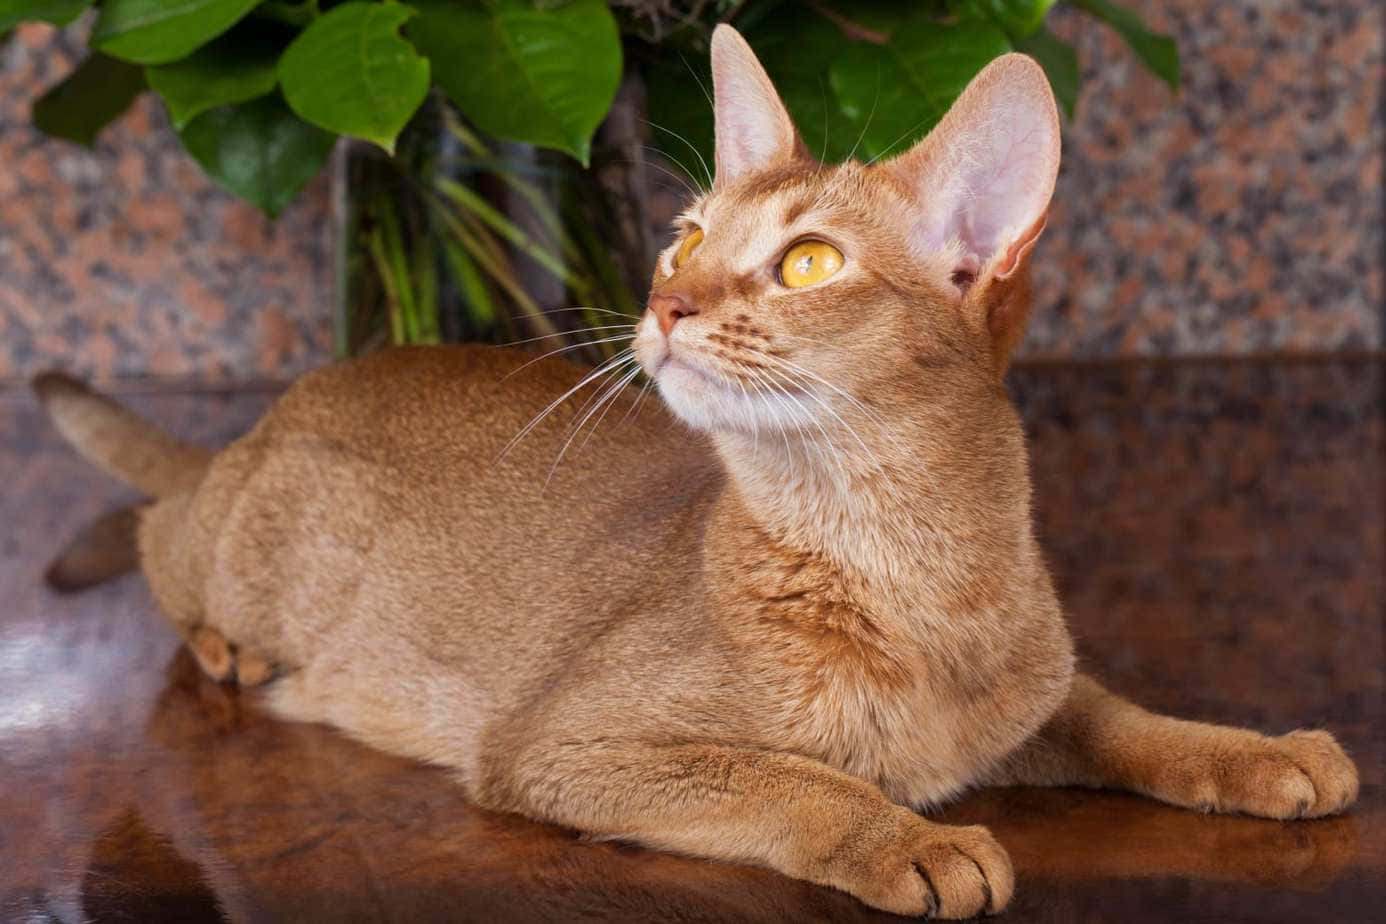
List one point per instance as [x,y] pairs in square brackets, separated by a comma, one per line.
[1099,739]
[790,813]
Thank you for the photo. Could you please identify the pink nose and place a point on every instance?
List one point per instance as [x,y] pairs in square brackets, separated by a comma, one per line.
[669,308]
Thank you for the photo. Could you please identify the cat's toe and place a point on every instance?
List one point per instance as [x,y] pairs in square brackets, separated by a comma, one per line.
[1303,774]
[212,651]
[253,670]
[968,873]
[936,870]
[1330,771]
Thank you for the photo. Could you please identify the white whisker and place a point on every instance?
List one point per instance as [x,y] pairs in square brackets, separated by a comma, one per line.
[758,380]
[639,399]
[869,118]
[574,346]
[621,386]
[851,399]
[607,395]
[793,369]
[829,444]
[685,181]
[619,314]
[624,356]
[755,430]
[696,153]
[569,333]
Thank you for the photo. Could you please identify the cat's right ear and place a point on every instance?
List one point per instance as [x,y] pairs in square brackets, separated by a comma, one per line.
[754,130]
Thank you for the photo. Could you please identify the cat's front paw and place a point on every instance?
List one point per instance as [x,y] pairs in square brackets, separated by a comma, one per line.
[1303,774]
[925,869]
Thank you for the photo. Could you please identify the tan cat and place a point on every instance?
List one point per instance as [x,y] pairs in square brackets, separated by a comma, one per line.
[767,635]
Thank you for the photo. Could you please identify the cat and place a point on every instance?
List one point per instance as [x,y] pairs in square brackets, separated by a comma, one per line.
[764,622]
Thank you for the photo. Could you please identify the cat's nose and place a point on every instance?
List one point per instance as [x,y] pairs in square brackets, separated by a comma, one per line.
[669,308]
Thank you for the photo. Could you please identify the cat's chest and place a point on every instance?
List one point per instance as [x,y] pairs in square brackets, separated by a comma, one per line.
[868,680]
[920,716]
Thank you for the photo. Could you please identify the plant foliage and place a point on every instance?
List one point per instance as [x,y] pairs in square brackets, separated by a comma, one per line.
[865,77]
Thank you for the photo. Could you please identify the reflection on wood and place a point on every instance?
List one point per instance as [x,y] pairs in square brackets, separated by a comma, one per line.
[1216,531]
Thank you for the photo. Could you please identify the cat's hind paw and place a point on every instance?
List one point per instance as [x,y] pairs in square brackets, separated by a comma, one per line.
[226,662]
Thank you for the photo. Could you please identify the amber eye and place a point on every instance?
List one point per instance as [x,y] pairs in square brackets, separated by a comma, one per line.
[690,244]
[809,262]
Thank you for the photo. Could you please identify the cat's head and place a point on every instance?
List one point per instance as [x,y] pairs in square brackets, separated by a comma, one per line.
[793,289]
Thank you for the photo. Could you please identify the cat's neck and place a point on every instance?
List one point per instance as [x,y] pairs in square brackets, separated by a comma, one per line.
[913,505]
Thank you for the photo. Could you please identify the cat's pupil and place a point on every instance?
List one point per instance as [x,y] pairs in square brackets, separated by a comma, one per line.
[805,264]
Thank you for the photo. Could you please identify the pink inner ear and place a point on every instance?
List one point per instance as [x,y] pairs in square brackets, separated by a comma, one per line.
[1000,183]
[985,174]
[747,134]
[752,126]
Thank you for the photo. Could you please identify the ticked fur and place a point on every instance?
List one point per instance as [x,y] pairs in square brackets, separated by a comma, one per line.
[761,625]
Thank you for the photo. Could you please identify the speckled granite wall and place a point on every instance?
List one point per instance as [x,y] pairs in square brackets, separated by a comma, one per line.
[126,261]
[1244,216]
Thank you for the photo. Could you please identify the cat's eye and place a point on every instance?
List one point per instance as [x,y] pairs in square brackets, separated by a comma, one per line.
[809,262]
[690,244]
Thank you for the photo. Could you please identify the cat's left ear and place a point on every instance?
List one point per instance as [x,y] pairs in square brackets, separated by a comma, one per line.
[753,128]
[983,177]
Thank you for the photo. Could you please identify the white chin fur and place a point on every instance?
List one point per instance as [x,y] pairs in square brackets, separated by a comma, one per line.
[706,402]
[716,406]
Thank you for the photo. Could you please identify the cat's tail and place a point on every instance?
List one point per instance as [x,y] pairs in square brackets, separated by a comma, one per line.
[126,446]
[104,549]
[119,442]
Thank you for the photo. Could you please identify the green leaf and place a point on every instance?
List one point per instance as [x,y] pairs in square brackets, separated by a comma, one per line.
[847,97]
[892,95]
[1020,18]
[680,113]
[58,12]
[259,150]
[940,58]
[98,91]
[351,72]
[159,31]
[871,20]
[299,13]
[797,45]
[541,76]
[1060,63]
[881,108]
[1158,52]
[235,68]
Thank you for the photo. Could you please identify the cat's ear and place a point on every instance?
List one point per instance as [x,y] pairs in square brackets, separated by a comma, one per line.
[753,128]
[984,175]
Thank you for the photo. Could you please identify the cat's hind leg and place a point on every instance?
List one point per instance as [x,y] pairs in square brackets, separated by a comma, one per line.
[169,544]
[1096,738]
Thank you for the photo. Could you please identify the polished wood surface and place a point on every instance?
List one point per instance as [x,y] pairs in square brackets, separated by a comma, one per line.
[1215,528]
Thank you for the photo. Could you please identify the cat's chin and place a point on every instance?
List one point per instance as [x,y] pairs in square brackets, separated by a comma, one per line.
[698,398]
[707,402]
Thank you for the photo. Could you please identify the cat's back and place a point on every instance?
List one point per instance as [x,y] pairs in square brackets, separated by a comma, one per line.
[386,501]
